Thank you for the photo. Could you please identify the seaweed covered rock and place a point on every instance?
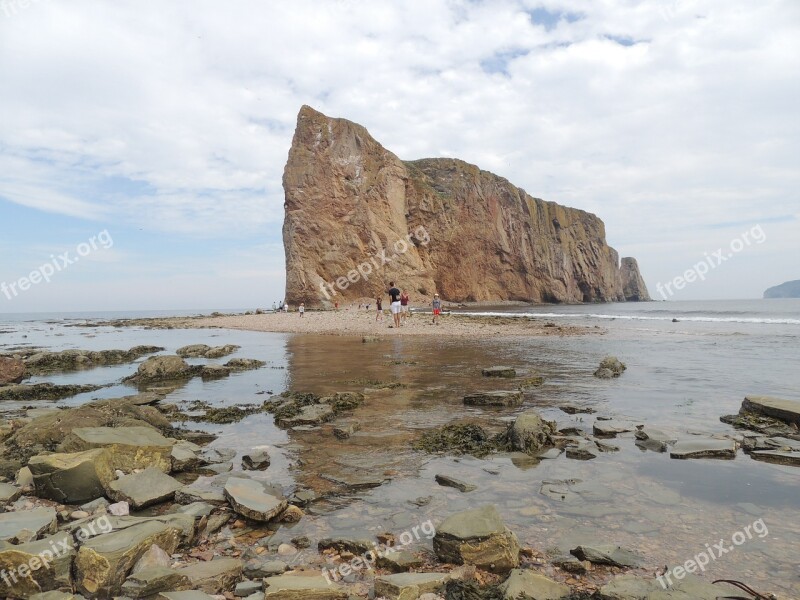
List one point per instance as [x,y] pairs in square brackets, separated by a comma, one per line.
[530,433]
[161,368]
[460,438]
[610,367]
[297,408]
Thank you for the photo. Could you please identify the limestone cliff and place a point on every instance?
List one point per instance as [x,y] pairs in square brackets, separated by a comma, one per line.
[358,217]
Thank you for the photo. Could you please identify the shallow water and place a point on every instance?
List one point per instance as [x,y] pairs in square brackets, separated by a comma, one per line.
[681,377]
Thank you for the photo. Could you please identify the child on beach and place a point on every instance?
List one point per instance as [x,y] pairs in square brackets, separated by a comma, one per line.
[379,315]
[302,309]
[404,299]
[437,308]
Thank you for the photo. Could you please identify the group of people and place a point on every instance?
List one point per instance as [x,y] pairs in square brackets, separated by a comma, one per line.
[399,305]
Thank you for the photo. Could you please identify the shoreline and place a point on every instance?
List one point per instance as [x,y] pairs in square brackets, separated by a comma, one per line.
[355,322]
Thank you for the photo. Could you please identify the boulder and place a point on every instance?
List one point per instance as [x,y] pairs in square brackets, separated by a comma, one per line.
[12,370]
[40,566]
[250,499]
[495,398]
[143,489]
[609,368]
[527,584]
[161,368]
[130,447]
[302,587]
[703,448]
[787,411]
[104,562]
[409,586]
[507,372]
[530,433]
[152,580]
[22,526]
[214,576]
[477,537]
[72,478]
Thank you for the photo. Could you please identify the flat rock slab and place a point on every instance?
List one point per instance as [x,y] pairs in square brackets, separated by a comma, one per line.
[654,439]
[250,499]
[42,574]
[399,561]
[130,447]
[26,525]
[614,556]
[508,372]
[187,595]
[495,398]
[611,428]
[787,411]
[527,584]
[691,587]
[461,486]
[191,494]
[780,457]
[313,414]
[289,587]
[214,576]
[73,478]
[147,488]
[703,448]
[409,586]
[9,493]
[152,580]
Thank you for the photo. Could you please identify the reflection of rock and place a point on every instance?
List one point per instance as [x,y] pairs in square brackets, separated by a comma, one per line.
[72,478]
[477,537]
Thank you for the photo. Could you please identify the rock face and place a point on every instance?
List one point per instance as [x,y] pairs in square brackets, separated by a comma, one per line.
[357,217]
[790,289]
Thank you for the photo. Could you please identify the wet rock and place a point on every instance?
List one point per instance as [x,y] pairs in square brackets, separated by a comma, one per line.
[130,448]
[461,486]
[144,489]
[256,460]
[611,428]
[152,580]
[104,562]
[399,561]
[346,430]
[584,451]
[531,382]
[654,439]
[9,493]
[12,370]
[704,448]
[214,576]
[39,566]
[570,564]
[571,409]
[290,587]
[787,411]
[530,433]
[609,368]
[214,372]
[314,414]
[527,584]
[43,391]
[161,368]
[409,586]
[244,364]
[72,478]
[495,398]
[250,499]
[193,351]
[779,457]
[195,509]
[477,537]
[346,544]
[24,526]
[220,351]
[185,456]
[508,372]
[614,556]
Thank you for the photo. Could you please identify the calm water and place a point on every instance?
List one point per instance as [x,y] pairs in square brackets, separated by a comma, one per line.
[682,376]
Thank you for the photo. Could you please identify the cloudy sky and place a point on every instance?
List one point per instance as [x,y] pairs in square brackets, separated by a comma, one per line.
[167,124]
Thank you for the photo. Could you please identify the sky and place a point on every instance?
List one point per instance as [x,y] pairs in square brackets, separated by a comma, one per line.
[147,139]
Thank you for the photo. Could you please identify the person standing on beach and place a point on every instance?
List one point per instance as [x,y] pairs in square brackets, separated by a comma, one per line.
[437,308]
[379,304]
[404,299]
[302,309]
[394,294]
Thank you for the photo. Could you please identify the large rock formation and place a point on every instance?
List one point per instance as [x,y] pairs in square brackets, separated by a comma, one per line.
[358,217]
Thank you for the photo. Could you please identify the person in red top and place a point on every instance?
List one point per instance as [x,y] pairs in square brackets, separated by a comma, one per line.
[404,311]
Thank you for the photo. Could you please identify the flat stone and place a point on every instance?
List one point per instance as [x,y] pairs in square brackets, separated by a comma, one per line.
[787,411]
[779,457]
[614,556]
[250,499]
[290,587]
[26,525]
[584,451]
[477,537]
[104,562]
[313,414]
[185,456]
[654,439]
[399,561]
[495,398]
[508,372]
[55,595]
[195,509]
[73,478]
[42,575]
[258,569]
[9,493]
[130,447]
[245,588]
[140,490]
[409,586]
[632,587]
[611,428]
[186,595]
[152,580]
[527,584]
[256,460]
[214,576]
[703,448]
[461,486]
[190,494]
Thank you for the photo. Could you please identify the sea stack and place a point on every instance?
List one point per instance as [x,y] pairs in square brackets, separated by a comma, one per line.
[357,217]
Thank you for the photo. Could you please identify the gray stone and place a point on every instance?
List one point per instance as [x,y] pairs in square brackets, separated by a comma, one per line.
[257,568]
[130,447]
[152,580]
[409,586]
[290,587]
[614,556]
[508,372]
[26,525]
[140,490]
[185,456]
[250,499]
[73,478]
[787,411]
[195,509]
[256,460]
[703,448]
[494,398]
[530,433]
[9,493]
[527,584]
[477,537]
[611,428]
[214,576]
[654,439]
[399,561]
[245,588]
[186,595]
[461,486]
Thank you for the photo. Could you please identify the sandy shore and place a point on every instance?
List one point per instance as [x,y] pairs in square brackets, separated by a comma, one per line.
[352,321]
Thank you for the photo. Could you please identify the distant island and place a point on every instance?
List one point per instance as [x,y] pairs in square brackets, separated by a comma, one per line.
[790,289]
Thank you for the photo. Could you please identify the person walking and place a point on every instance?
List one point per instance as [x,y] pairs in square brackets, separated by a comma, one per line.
[404,300]
[302,309]
[437,308]
[394,295]
[379,313]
